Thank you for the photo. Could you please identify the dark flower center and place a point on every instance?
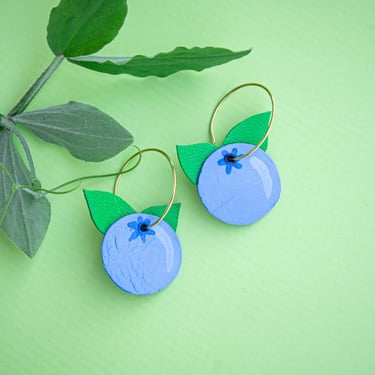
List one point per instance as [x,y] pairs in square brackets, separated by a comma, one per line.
[143,228]
[230,158]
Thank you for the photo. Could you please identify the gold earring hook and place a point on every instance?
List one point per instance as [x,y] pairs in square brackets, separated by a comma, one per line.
[219,104]
[139,153]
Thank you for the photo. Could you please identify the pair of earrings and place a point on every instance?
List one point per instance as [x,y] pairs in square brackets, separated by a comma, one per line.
[238,183]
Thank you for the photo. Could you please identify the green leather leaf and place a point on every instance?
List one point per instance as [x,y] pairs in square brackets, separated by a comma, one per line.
[27,218]
[86,132]
[192,157]
[82,27]
[106,208]
[162,64]
[172,216]
[250,131]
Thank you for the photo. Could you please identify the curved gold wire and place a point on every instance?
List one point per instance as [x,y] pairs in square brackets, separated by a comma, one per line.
[219,104]
[169,205]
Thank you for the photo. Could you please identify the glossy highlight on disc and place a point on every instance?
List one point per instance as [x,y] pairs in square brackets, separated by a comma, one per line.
[239,192]
[138,259]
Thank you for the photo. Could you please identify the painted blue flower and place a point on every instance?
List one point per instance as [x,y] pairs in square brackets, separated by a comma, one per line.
[229,160]
[140,228]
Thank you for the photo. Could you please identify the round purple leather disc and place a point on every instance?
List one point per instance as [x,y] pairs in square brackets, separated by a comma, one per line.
[141,260]
[242,191]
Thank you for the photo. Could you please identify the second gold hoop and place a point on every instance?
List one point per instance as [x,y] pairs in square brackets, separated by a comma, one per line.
[220,103]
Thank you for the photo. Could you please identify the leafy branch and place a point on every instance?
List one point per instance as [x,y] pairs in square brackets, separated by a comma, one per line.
[76,29]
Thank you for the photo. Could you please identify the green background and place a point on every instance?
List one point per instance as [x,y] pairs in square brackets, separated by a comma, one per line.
[291,294]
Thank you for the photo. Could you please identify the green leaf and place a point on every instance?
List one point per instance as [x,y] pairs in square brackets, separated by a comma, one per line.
[192,157]
[81,27]
[250,131]
[106,208]
[172,216]
[85,131]
[162,64]
[26,221]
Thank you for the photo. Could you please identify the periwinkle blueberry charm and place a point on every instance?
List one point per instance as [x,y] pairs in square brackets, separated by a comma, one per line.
[138,259]
[237,183]
[141,252]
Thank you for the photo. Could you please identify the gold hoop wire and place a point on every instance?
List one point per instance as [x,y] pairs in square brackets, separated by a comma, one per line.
[139,153]
[221,101]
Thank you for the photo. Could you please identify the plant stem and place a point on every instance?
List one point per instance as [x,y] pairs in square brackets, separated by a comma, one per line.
[35,88]
[7,204]
[5,170]
[8,124]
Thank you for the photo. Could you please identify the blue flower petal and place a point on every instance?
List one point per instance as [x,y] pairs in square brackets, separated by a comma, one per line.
[150,231]
[146,222]
[143,236]
[133,225]
[134,235]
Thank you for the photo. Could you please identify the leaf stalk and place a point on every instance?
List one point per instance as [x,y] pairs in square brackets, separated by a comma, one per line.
[36,87]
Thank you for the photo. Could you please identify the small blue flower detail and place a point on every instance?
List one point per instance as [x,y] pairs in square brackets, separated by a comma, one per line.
[228,160]
[140,228]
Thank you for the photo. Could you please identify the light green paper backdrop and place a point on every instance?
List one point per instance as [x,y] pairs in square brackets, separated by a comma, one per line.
[292,294]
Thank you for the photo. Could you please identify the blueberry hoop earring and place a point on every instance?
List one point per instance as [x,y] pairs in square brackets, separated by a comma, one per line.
[141,252]
[237,182]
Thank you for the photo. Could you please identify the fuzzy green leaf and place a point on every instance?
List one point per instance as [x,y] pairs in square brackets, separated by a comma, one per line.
[82,27]
[162,64]
[106,208]
[172,216]
[85,131]
[250,131]
[26,221]
[192,157]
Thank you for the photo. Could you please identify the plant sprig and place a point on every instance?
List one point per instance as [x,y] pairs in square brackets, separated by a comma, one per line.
[76,29]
